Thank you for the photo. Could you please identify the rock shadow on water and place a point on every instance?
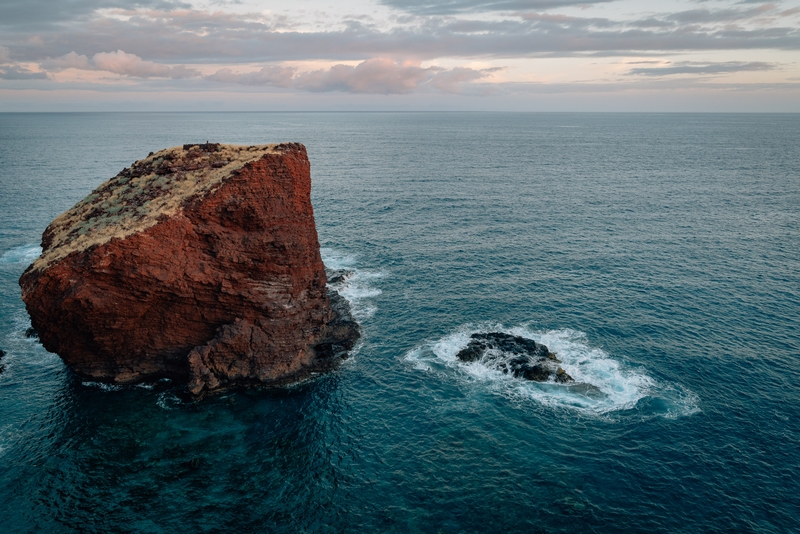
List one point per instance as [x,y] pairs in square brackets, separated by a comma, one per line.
[236,457]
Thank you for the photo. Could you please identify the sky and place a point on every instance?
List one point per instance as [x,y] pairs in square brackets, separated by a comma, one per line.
[412,55]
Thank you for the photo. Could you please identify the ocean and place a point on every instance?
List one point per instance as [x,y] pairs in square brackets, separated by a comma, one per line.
[657,254]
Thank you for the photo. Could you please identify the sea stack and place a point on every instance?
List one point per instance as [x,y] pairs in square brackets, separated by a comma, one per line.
[199,263]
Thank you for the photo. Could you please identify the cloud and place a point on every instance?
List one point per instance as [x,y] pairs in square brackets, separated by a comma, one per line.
[452,81]
[267,76]
[373,76]
[691,67]
[10,71]
[68,61]
[39,14]
[358,49]
[706,16]
[19,73]
[378,75]
[197,36]
[655,86]
[450,7]
[119,62]
[651,22]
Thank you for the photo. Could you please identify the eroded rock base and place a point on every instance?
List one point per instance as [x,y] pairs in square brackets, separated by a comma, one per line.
[243,354]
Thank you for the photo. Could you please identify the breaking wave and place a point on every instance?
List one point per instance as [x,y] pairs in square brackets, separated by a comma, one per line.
[103,386]
[354,284]
[602,384]
[24,254]
[168,400]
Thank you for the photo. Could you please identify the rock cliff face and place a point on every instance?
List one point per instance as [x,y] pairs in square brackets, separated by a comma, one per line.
[198,263]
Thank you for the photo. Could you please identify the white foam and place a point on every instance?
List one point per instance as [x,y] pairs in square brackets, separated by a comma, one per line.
[16,343]
[168,400]
[102,386]
[22,255]
[602,384]
[357,288]
[336,260]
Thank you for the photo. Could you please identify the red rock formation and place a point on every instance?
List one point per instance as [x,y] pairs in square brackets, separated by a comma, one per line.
[199,262]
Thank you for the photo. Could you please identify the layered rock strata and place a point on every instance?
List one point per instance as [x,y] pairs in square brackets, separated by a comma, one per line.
[519,356]
[199,263]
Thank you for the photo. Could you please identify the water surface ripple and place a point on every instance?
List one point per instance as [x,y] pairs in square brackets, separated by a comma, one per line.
[657,254]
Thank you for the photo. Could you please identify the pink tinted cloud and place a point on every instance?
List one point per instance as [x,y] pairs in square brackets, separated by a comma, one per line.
[373,76]
[120,62]
[377,75]
[68,61]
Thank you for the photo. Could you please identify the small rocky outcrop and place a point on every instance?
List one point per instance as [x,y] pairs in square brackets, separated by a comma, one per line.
[199,263]
[519,356]
[339,276]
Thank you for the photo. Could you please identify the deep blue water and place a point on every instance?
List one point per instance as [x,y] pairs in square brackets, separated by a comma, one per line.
[658,255]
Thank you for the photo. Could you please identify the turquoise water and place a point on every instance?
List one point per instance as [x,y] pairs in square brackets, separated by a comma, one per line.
[658,255]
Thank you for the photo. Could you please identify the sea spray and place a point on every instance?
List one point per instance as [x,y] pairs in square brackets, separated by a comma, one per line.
[22,255]
[353,283]
[603,384]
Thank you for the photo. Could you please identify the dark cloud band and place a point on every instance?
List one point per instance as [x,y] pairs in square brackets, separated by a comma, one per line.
[451,7]
[689,67]
[18,73]
[187,36]
[43,14]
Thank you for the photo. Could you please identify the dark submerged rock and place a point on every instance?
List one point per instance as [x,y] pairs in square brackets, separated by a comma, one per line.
[31,333]
[338,276]
[520,356]
[342,331]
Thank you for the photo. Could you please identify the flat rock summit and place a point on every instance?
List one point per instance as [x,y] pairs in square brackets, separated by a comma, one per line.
[198,263]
